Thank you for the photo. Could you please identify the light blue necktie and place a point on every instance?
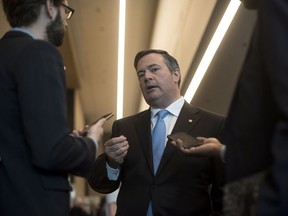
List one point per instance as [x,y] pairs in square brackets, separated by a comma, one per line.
[158,145]
[159,138]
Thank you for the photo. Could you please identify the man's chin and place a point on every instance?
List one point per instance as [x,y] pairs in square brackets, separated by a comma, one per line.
[57,39]
[58,43]
[151,98]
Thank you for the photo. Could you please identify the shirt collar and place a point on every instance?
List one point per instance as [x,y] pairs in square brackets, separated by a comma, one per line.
[24,31]
[173,108]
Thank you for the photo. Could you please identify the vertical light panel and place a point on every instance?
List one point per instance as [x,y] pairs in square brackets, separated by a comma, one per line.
[212,48]
[121,59]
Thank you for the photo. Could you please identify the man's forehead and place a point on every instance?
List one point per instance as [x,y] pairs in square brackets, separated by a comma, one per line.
[149,63]
[153,55]
[151,58]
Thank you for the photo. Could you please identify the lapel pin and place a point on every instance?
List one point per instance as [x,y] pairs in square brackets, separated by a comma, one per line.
[190,120]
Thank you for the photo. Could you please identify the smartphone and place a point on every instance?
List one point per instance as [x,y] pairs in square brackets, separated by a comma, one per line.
[85,130]
[188,140]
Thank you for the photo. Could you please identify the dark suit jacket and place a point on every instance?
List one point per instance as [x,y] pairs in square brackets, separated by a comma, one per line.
[36,152]
[181,184]
[257,124]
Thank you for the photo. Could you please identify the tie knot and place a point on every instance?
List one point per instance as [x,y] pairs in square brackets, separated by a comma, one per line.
[162,114]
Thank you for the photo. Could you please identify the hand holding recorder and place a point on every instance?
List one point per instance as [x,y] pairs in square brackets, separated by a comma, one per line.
[95,129]
[105,117]
[199,146]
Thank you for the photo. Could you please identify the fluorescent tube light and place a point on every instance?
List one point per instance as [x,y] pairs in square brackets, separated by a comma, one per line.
[212,48]
[121,58]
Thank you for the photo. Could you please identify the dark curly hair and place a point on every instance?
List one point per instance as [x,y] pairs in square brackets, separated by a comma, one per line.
[24,12]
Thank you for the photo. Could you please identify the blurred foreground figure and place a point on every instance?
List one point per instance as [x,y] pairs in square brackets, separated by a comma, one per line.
[36,151]
[256,130]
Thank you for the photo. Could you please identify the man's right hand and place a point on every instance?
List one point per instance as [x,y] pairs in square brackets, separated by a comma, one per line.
[116,150]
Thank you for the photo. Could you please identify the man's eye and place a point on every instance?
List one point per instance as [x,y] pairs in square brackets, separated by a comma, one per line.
[154,69]
[140,74]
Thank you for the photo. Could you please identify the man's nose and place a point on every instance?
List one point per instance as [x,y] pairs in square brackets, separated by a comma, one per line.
[148,75]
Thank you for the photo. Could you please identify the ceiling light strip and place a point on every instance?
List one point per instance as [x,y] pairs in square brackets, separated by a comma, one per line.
[121,59]
[212,48]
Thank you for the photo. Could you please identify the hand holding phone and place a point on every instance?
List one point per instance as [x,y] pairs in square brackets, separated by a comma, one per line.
[188,140]
[84,132]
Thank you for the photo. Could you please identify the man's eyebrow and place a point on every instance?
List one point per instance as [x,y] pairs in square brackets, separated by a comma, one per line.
[140,70]
[152,65]
[149,67]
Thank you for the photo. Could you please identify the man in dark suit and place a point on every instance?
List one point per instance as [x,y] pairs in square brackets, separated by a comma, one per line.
[257,125]
[256,130]
[36,151]
[181,185]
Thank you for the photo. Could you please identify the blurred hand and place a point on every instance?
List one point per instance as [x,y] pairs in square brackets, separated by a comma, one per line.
[96,131]
[75,133]
[211,147]
[116,150]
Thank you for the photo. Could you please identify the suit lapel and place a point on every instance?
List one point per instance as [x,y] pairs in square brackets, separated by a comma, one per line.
[143,130]
[187,120]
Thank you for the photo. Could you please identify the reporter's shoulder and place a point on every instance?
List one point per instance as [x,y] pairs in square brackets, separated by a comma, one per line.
[210,113]
[45,45]
[40,46]
[41,49]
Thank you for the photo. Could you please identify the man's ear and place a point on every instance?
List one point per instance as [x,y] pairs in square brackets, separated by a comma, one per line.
[177,75]
[50,8]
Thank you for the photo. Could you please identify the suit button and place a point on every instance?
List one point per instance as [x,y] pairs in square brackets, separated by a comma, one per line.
[154,186]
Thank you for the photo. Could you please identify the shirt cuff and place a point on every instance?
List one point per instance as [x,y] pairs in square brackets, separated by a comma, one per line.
[112,173]
[95,142]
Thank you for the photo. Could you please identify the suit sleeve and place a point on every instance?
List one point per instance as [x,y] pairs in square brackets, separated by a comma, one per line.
[273,48]
[218,177]
[42,97]
[98,179]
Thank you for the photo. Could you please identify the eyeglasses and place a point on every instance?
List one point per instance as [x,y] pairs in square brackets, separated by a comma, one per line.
[68,11]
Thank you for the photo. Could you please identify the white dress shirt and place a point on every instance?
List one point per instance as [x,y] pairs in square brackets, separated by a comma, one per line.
[170,120]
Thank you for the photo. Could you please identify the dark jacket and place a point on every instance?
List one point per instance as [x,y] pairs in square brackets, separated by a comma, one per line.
[35,149]
[181,185]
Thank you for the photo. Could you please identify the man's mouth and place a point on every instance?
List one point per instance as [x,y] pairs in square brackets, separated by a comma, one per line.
[151,87]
